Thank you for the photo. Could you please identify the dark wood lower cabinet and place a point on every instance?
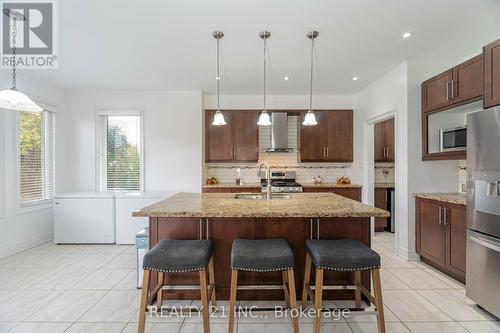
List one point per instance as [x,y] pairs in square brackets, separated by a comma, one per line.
[441,236]
[235,189]
[353,193]
[381,202]
[222,231]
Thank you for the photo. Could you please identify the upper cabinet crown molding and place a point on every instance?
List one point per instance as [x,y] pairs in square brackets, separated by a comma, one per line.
[492,74]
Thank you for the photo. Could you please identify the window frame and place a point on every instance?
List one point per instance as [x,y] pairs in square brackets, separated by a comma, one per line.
[24,208]
[101,146]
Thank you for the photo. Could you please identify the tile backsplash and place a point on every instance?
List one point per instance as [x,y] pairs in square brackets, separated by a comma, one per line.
[384,173]
[329,172]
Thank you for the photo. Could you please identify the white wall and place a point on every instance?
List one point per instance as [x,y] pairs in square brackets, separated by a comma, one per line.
[23,228]
[172,137]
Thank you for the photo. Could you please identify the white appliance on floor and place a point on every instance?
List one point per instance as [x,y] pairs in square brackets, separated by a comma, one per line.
[127,226]
[84,217]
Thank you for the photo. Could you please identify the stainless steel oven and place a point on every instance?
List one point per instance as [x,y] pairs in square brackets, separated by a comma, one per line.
[483,209]
[452,139]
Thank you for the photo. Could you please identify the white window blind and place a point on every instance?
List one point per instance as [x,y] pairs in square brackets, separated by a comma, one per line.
[122,165]
[37,132]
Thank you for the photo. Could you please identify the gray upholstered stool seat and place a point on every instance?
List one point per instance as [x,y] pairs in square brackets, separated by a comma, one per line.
[342,255]
[261,255]
[179,255]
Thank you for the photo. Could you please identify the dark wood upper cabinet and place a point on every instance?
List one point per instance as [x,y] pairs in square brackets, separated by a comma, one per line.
[492,74]
[468,80]
[246,136]
[329,141]
[237,141]
[436,91]
[384,141]
[312,139]
[219,139]
[339,136]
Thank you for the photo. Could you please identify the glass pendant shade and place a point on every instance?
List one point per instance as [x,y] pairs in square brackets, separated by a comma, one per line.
[218,119]
[264,119]
[15,100]
[310,119]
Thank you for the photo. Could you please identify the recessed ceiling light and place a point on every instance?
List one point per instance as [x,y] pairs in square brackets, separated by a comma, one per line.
[407,35]
[286,78]
[355,78]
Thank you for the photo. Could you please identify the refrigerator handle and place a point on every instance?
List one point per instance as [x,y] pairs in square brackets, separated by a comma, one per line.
[489,243]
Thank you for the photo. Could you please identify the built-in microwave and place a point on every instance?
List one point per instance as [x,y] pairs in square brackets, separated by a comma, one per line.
[452,139]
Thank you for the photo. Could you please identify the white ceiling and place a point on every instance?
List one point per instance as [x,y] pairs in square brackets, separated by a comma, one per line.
[167,45]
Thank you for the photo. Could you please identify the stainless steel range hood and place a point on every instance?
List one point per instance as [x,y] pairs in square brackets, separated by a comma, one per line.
[279,133]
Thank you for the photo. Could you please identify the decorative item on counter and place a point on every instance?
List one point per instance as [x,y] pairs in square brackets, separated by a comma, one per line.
[317,180]
[212,181]
[343,181]
[238,177]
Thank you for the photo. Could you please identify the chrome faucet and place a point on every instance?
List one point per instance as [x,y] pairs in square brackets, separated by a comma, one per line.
[268,188]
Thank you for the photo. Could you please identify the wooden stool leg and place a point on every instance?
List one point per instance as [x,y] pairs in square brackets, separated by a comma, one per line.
[357,292]
[378,300]
[232,299]
[204,301]
[144,300]
[293,299]
[211,275]
[307,278]
[159,294]
[287,298]
[318,297]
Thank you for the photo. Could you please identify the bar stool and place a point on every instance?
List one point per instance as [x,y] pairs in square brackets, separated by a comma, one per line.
[263,255]
[174,256]
[343,255]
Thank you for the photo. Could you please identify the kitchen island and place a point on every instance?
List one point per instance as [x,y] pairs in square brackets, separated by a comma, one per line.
[222,217]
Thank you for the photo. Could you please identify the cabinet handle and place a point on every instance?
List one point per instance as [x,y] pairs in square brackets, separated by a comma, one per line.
[452,90]
[324,151]
[445,223]
[447,93]
[317,227]
[310,228]
[440,216]
[327,152]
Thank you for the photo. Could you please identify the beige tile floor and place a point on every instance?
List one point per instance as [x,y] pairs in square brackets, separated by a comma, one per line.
[91,288]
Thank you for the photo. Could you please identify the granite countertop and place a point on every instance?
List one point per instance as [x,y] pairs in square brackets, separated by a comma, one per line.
[231,185]
[333,185]
[384,185]
[454,198]
[208,205]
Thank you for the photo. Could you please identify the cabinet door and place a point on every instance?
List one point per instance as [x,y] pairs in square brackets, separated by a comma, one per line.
[468,80]
[492,74]
[379,142]
[456,231]
[436,91]
[353,193]
[380,202]
[246,136]
[312,139]
[389,140]
[219,139]
[432,231]
[339,136]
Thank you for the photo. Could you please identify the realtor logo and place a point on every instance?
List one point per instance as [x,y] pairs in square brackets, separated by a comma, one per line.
[35,34]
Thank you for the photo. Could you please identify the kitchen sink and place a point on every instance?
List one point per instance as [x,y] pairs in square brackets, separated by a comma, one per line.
[261,196]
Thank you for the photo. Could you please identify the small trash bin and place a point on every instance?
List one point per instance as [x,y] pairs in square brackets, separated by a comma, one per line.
[142,246]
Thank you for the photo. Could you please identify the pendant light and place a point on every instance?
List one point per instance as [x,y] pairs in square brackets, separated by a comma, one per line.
[12,99]
[218,117]
[264,119]
[310,118]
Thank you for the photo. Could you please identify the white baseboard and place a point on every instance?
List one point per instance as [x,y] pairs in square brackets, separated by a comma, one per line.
[25,245]
[410,256]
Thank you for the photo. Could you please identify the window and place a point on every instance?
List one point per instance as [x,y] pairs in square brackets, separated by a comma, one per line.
[121,153]
[36,156]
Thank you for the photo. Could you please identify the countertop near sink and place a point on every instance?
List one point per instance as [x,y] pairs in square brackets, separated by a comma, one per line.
[332,185]
[211,205]
[454,198]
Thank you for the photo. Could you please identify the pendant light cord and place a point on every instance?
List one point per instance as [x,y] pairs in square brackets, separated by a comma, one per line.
[14,34]
[311,85]
[218,76]
[265,72]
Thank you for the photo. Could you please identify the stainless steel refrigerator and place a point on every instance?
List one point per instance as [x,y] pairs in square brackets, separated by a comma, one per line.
[483,209]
